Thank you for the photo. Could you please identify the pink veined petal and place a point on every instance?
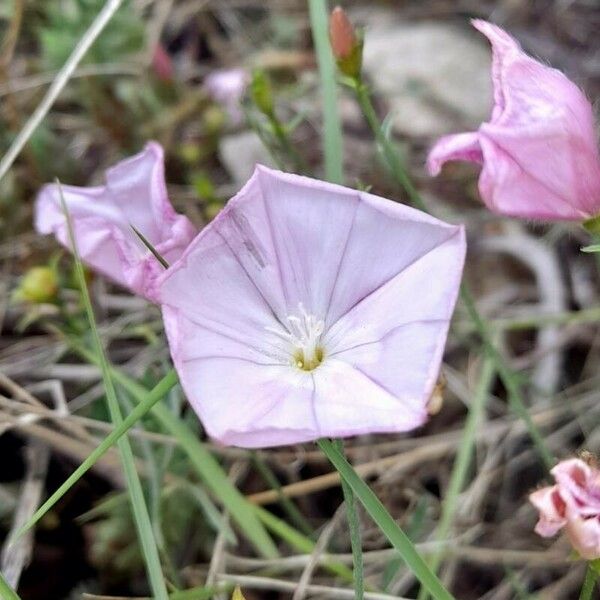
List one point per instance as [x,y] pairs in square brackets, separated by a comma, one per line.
[403,351]
[328,264]
[552,508]
[539,151]
[212,289]
[102,216]
[310,223]
[241,402]
[539,195]
[366,266]
[579,486]
[289,250]
[347,402]
[461,146]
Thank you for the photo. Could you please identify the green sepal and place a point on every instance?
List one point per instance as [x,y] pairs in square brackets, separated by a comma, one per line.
[592,225]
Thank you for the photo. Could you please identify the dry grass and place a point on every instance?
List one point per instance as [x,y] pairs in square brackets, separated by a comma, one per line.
[49,409]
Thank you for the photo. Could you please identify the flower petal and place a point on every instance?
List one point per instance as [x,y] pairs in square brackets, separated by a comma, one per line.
[211,288]
[539,151]
[134,194]
[461,146]
[348,402]
[552,510]
[240,402]
[584,535]
[404,236]
[403,351]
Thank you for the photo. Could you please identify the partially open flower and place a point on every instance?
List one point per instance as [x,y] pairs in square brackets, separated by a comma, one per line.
[306,309]
[227,87]
[573,503]
[135,195]
[539,150]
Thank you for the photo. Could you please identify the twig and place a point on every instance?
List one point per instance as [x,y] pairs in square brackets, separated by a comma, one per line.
[17,553]
[266,583]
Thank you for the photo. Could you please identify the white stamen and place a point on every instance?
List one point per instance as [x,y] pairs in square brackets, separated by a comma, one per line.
[304,336]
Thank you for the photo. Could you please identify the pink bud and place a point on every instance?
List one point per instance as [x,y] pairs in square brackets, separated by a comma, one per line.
[162,64]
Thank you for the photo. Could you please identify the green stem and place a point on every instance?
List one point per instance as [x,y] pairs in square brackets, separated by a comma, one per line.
[400,174]
[509,379]
[287,148]
[354,526]
[286,503]
[395,163]
[6,592]
[386,523]
[587,589]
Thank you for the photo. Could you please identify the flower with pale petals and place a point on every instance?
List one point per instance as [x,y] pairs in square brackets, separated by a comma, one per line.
[227,87]
[573,503]
[306,309]
[539,150]
[103,218]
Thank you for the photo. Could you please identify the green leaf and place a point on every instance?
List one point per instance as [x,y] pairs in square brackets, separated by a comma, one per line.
[592,248]
[354,527]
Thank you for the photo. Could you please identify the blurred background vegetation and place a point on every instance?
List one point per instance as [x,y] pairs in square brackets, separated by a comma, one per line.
[143,79]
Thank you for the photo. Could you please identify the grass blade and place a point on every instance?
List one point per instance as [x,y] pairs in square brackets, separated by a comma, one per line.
[332,131]
[386,523]
[6,592]
[134,486]
[151,398]
[300,542]
[354,526]
[512,385]
[463,460]
[203,463]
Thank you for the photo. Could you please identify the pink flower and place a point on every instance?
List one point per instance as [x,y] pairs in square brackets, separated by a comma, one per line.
[306,309]
[573,503]
[135,194]
[539,151]
[227,87]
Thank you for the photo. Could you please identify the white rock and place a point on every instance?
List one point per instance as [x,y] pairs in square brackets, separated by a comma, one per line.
[434,76]
[240,152]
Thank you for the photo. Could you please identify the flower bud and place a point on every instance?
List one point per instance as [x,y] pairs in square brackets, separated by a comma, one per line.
[262,92]
[345,44]
[162,65]
[39,285]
